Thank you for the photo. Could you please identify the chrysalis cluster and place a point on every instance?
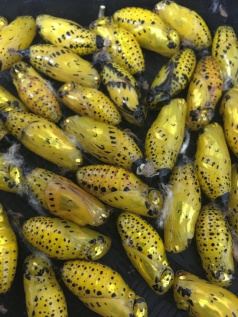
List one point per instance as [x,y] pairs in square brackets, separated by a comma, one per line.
[121,139]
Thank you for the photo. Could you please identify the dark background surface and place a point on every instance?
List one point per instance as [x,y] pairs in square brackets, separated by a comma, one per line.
[84,12]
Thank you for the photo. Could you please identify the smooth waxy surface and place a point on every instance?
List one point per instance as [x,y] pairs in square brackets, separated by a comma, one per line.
[124,91]
[183,205]
[120,44]
[9,102]
[229,112]
[65,199]
[62,64]
[190,26]
[102,289]
[214,244]
[149,29]
[225,52]
[172,78]
[91,102]
[104,141]
[213,164]
[35,92]
[44,296]
[67,33]
[120,188]
[44,138]
[204,92]
[65,240]
[201,298]
[8,252]
[17,35]
[233,200]
[165,136]
[145,249]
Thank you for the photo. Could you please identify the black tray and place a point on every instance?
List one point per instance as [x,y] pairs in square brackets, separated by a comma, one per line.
[84,12]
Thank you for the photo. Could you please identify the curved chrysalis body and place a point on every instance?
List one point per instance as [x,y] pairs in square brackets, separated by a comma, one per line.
[102,289]
[16,35]
[229,112]
[124,91]
[191,27]
[213,164]
[11,177]
[65,240]
[67,33]
[44,296]
[35,92]
[149,29]
[8,252]
[62,64]
[214,244]
[225,52]
[65,199]
[43,138]
[204,91]
[9,102]
[120,188]
[182,208]
[165,137]
[121,45]
[91,102]
[145,249]
[172,78]
[233,200]
[201,298]
[104,141]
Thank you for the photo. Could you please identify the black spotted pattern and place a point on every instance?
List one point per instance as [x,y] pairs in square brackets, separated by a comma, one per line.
[225,52]
[8,252]
[64,240]
[120,188]
[145,249]
[35,92]
[106,142]
[165,136]
[89,102]
[149,29]
[192,29]
[66,33]
[214,244]
[100,288]
[172,78]
[193,294]
[44,296]
[213,164]
[63,65]
[204,92]
[43,138]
